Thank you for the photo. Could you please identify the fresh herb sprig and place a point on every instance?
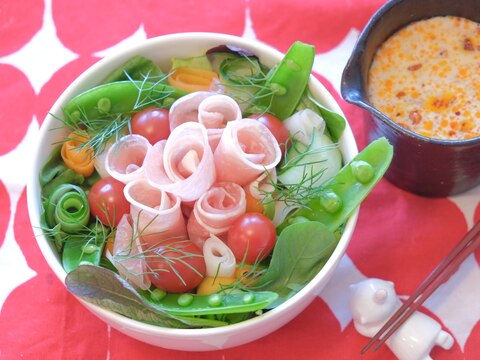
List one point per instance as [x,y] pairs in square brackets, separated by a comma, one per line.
[300,193]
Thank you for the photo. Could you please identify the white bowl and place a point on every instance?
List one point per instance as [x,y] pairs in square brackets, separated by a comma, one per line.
[161,50]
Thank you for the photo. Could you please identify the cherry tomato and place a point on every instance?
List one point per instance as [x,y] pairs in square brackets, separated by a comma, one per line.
[152,123]
[107,201]
[251,237]
[276,127]
[177,266]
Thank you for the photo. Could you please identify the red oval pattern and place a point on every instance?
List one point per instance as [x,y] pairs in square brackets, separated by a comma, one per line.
[5,214]
[19,20]
[16,99]
[87,26]
[317,22]
[58,84]
[185,16]
[434,227]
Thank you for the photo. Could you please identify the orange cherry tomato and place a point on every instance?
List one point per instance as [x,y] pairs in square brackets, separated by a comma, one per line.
[253,204]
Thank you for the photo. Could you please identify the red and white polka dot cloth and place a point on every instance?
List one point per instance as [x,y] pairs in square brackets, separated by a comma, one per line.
[45,44]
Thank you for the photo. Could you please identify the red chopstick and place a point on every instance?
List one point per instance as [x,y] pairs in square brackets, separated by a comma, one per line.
[442,273]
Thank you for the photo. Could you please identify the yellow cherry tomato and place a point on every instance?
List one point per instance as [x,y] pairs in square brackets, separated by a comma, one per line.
[212,284]
[191,79]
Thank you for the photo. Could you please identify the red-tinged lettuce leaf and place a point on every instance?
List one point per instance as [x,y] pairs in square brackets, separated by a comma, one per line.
[108,290]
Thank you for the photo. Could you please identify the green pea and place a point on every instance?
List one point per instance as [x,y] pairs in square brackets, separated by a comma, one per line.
[215,300]
[330,201]
[104,105]
[185,300]
[278,89]
[292,65]
[158,294]
[248,298]
[81,248]
[362,171]
[90,248]
[75,115]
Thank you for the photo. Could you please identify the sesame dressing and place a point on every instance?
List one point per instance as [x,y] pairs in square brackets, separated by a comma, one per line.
[426,77]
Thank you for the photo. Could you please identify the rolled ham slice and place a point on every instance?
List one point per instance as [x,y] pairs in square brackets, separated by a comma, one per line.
[185,109]
[262,185]
[246,149]
[125,257]
[182,165]
[208,108]
[215,211]
[124,160]
[214,112]
[219,259]
[156,214]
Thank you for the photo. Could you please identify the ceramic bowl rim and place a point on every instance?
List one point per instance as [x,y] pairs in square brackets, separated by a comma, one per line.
[33,200]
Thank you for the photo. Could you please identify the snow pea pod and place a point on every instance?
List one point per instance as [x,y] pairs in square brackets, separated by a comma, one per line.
[343,193]
[120,97]
[286,85]
[214,304]
[54,173]
[66,176]
[83,248]
[136,68]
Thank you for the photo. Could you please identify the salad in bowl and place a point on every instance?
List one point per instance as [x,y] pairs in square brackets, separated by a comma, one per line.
[199,187]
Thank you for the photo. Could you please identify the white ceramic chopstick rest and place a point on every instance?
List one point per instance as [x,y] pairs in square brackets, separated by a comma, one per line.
[374,301]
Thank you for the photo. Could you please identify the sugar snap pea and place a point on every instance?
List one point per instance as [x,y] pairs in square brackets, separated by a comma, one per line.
[286,85]
[346,190]
[120,97]
[227,302]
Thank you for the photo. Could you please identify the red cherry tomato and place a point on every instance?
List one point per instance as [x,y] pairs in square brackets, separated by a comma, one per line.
[152,123]
[276,127]
[107,201]
[177,266]
[251,237]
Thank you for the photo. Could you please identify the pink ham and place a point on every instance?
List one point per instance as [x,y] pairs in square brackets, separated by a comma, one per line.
[215,211]
[216,111]
[186,108]
[125,257]
[208,108]
[156,215]
[263,185]
[246,149]
[182,165]
[124,160]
